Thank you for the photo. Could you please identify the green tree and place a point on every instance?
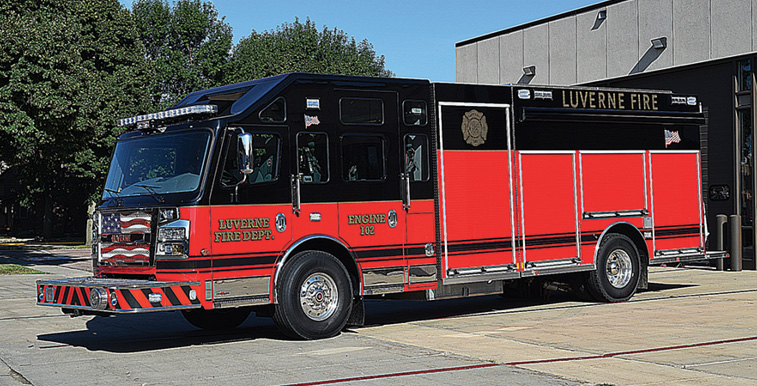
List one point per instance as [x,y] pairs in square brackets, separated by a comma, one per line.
[187,46]
[68,69]
[300,47]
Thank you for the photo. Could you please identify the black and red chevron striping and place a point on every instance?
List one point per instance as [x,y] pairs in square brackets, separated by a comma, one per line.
[127,299]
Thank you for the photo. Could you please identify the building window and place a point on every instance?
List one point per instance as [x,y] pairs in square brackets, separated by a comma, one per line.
[744,75]
[744,121]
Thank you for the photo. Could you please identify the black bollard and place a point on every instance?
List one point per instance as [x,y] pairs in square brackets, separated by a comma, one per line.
[720,222]
[734,223]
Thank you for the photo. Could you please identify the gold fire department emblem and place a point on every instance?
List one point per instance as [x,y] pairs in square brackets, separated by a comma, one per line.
[474,128]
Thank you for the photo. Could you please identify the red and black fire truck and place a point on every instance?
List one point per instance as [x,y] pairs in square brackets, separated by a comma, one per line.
[300,195]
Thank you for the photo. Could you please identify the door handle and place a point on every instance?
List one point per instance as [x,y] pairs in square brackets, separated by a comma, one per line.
[405,188]
[295,184]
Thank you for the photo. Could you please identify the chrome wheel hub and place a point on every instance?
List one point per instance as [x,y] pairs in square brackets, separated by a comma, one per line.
[319,296]
[619,268]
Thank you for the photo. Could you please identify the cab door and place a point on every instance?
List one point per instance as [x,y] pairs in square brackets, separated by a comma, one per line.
[417,192]
[248,217]
[372,219]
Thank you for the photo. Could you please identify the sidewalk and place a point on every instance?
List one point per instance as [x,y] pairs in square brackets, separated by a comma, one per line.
[45,256]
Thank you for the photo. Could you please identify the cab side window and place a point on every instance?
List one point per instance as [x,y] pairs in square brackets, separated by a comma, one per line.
[361,111]
[266,161]
[274,112]
[313,157]
[414,113]
[416,157]
[363,158]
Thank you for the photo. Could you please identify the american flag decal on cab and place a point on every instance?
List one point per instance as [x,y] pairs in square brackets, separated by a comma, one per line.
[125,238]
[135,253]
[311,120]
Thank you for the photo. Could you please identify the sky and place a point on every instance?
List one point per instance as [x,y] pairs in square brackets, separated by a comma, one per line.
[417,38]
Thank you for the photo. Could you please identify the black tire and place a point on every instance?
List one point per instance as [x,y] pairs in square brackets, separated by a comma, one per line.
[578,285]
[314,296]
[221,319]
[617,275]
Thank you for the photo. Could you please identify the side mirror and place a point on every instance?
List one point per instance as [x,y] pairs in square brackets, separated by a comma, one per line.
[245,156]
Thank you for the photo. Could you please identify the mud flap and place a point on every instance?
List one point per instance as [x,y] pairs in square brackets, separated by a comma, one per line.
[643,278]
[357,317]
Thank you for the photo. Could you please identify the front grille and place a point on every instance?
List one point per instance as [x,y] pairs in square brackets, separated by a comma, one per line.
[125,238]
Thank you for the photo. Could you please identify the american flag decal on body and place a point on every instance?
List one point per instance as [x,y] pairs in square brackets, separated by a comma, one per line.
[671,137]
[133,222]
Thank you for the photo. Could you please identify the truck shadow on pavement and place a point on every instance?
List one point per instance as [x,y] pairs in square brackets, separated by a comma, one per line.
[386,312]
[158,331]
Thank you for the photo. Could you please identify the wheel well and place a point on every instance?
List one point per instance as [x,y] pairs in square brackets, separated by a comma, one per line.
[339,251]
[632,233]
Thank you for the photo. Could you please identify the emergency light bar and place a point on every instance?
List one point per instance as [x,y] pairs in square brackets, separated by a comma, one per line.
[173,113]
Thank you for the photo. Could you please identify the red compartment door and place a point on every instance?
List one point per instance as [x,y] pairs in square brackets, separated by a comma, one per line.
[548,223]
[676,200]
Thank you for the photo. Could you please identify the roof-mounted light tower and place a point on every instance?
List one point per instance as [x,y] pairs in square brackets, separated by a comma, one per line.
[148,120]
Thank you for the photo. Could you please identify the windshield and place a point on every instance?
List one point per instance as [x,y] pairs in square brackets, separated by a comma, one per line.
[158,164]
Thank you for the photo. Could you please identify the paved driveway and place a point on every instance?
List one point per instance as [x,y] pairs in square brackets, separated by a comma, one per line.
[694,327]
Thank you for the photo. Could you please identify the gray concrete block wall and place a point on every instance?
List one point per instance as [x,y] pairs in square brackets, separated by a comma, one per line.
[754,25]
[562,51]
[691,31]
[696,31]
[488,61]
[655,20]
[536,52]
[466,58]
[591,46]
[511,57]
[730,28]
[622,38]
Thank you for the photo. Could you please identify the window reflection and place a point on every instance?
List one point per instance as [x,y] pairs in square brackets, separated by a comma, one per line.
[744,78]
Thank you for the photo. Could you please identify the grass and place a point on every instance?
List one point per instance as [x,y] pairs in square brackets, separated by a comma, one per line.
[15,269]
[40,245]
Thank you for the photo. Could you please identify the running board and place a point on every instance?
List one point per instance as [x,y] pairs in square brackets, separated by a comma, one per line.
[667,257]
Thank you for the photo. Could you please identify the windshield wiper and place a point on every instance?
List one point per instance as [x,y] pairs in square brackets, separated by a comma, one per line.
[152,191]
[115,196]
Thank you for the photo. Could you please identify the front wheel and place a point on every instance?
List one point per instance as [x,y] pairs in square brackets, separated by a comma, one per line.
[617,275]
[314,296]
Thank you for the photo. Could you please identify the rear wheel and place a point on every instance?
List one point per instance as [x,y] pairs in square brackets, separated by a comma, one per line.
[221,319]
[314,296]
[617,274]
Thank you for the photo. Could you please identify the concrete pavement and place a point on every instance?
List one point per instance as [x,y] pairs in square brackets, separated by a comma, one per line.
[693,327]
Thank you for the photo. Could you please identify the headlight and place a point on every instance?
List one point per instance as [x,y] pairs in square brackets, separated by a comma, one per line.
[173,239]
[171,234]
[169,214]
[171,249]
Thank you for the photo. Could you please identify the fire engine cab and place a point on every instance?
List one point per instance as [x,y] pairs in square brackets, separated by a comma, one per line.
[298,196]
